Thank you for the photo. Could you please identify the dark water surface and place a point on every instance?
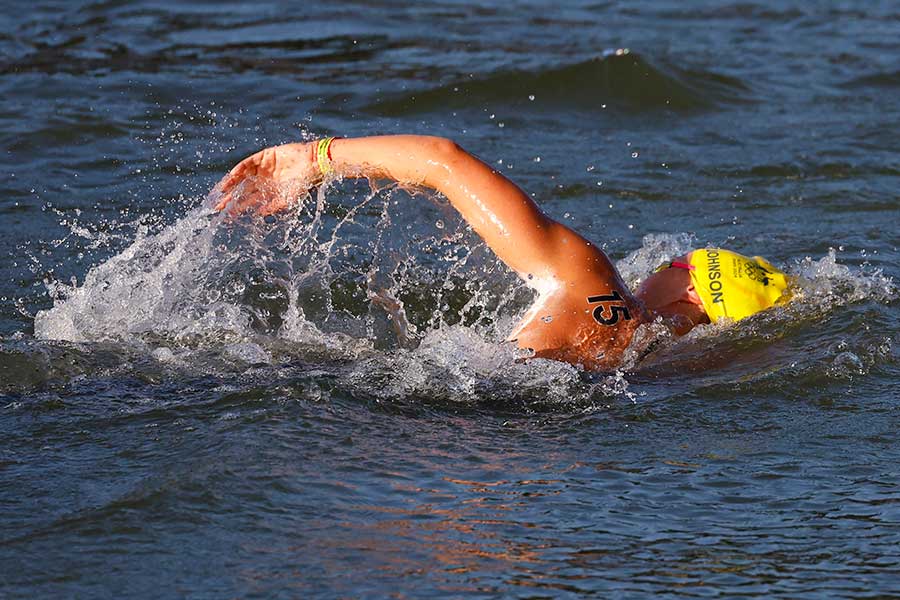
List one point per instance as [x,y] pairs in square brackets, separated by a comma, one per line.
[198,408]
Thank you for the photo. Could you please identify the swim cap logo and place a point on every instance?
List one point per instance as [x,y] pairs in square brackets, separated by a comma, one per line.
[714,272]
[756,272]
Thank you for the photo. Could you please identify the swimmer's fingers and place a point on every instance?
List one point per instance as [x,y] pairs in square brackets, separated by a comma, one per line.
[241,196]
[254,180]
[249,167]
[274,205]
[224,199]
[254,195]
[223,192]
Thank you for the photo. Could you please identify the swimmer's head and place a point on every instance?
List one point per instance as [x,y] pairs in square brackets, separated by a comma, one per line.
[712,284]
[669,292]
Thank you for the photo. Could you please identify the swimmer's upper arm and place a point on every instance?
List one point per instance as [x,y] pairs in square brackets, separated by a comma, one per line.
[521,235]
[497,209]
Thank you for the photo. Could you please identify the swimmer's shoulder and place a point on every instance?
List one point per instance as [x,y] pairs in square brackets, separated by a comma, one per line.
[589,322]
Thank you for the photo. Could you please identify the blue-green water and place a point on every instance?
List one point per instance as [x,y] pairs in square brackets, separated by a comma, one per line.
[191,407]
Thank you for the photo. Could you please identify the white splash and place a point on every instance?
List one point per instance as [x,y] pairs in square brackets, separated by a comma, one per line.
[324,282]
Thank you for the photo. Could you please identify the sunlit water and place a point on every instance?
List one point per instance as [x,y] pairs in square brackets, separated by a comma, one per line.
[322,403]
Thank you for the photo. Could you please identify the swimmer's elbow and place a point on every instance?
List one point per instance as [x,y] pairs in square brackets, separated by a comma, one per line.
[445,161]
[443,149]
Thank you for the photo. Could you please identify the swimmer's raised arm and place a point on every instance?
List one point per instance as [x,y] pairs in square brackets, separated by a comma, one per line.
[512,225]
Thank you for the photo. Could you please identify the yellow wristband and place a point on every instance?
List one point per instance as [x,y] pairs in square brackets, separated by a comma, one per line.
[323,155]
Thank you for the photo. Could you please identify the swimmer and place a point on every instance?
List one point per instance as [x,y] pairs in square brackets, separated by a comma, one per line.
[584,313]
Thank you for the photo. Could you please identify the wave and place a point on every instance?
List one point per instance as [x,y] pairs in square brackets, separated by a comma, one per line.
[617,79]
[876,80]
[804,170]
[82,45]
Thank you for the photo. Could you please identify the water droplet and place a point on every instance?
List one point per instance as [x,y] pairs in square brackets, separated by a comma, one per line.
[531,97]
[537,159]
[848,362]
[439,224]
[634,155]
[523,353]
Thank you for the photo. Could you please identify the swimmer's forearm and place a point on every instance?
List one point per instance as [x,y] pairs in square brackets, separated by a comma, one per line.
[478,192]
[410,159]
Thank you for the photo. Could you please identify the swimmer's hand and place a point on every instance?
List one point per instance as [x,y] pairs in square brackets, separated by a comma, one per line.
[266,182]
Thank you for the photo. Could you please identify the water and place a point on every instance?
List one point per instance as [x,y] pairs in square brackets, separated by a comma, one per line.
[193,407]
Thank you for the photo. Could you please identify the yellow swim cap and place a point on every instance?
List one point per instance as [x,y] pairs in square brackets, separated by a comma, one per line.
[734,286]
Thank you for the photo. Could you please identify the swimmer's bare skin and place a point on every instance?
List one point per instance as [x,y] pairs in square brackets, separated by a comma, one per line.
[584,314]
